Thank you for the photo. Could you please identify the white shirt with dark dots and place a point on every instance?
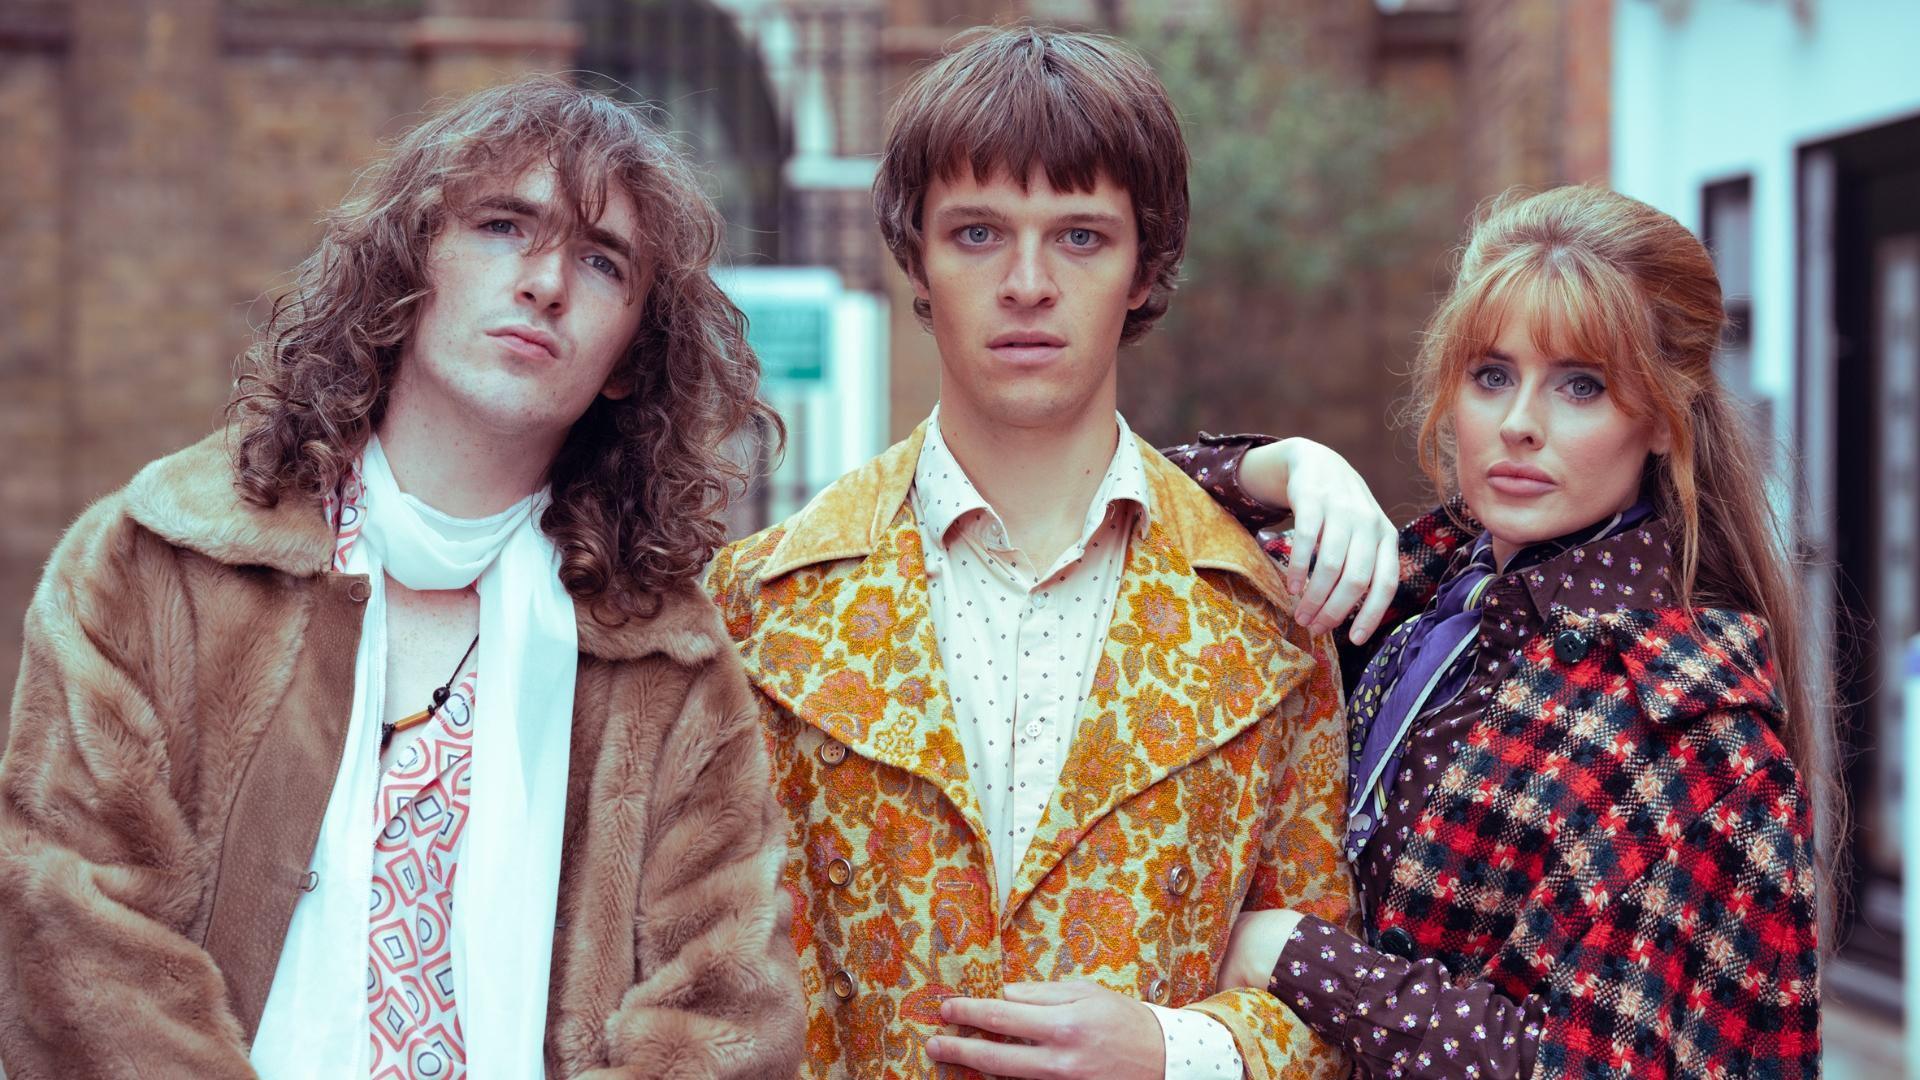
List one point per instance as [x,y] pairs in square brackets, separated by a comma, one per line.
[1019,645]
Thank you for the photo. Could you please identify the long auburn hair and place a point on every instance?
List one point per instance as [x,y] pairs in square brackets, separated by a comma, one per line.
[638,484]
[1624,286]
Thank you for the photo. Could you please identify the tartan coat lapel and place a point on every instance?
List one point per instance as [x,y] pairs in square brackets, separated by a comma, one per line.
[1570,783]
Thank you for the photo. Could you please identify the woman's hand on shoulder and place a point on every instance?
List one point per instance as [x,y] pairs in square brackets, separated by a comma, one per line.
[1346,551]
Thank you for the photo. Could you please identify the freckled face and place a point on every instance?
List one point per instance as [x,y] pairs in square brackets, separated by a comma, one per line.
[1030,290]
[1543,448]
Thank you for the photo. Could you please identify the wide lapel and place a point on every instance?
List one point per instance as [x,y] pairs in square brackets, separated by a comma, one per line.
[1186,668]
[849,648]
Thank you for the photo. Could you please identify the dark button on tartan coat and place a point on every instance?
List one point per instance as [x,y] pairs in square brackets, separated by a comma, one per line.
[1622,836]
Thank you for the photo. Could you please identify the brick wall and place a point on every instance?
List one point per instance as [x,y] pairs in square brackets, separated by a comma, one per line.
[168,164]
[1536,76]
[1420,67]
[1509,92]
[169,159]
[1586,44]
[34,499]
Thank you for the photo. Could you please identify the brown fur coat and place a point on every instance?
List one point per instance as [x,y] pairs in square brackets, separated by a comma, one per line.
[180,714]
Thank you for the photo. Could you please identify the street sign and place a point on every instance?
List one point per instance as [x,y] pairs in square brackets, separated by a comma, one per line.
[790,317]
[789,337]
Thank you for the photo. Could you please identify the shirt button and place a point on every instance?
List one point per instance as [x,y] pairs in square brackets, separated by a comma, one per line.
[1033,729]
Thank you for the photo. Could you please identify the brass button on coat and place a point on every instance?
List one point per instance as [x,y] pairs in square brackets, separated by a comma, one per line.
[1179,880]
[839,871]
[833,753]
[1157,991]
[841,983]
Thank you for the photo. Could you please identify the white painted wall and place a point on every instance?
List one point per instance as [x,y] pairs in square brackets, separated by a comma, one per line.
[1729,88]
[835,422]
[1735,87]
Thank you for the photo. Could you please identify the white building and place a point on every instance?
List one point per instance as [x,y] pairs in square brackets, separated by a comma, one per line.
[1787,134]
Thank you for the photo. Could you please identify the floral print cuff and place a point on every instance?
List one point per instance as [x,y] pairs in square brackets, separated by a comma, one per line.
[1399,1017]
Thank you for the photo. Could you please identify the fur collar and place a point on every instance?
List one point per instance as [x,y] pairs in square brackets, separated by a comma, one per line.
[189,500]
[847,520]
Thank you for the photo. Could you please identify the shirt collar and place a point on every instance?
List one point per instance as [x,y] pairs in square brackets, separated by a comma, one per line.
[943,494]
[1630,568]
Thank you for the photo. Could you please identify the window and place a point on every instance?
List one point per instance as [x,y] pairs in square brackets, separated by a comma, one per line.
[1727,228]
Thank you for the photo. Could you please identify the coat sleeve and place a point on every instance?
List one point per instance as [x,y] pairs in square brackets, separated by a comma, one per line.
[1707,966]
[718,990]
[1213,462]
[1427,544]
[102,869]
[1301,868]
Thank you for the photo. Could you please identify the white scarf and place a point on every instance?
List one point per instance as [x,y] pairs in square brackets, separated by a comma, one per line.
[316,1021]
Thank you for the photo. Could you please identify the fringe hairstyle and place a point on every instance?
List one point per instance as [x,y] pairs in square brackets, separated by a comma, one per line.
[639,483]
[1077,106]
[1622,285]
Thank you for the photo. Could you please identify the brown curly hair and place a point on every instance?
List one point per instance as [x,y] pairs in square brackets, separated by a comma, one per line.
[1076,105]
[639,484]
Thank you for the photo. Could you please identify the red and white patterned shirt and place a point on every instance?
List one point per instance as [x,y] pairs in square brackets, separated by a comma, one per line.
[420,811]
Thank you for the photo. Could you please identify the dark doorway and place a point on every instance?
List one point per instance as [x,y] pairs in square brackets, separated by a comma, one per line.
[1861,222]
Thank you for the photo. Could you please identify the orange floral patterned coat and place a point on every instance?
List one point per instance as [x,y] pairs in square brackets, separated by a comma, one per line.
[1206,776]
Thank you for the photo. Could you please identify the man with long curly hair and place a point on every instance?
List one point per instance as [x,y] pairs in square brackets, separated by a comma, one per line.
[1043,719]
[388,729]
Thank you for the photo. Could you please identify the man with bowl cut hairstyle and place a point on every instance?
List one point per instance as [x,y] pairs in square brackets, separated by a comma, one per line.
[1041,721]
[387,732]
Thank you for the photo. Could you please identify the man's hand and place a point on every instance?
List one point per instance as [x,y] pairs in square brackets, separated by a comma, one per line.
[1072,1030]
[1338,529]
[1255,946]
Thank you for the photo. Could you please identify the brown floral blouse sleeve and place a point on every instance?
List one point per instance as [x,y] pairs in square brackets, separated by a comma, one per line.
[1213,462]
[1399,1017]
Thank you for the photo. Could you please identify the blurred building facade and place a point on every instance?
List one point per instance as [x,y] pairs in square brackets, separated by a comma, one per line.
[1787,134]
[169,160]
[1485,95]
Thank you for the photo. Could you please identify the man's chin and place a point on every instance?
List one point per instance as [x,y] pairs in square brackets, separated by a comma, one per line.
[1032,404]
[1036,414]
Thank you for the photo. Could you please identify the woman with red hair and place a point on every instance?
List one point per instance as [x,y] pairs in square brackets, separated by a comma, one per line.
[1585,762]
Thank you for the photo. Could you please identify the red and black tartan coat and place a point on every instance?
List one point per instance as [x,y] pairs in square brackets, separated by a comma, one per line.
[1623,835]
